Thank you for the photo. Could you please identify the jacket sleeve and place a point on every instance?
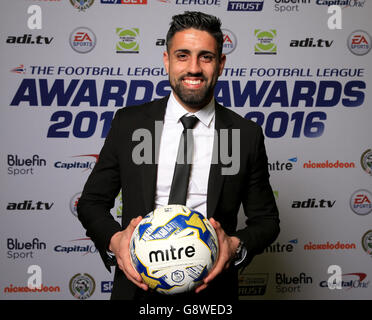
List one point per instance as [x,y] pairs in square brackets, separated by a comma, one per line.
[98,196]
[262,224]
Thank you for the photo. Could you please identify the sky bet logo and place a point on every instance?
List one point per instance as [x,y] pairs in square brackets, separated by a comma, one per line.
[106,286]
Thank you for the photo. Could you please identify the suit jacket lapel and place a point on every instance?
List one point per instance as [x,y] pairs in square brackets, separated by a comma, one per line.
[215,181]
[154,123]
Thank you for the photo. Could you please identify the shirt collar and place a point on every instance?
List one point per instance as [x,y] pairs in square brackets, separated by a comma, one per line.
[175,111]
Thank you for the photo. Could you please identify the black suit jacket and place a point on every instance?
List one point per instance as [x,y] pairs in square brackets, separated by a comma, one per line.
[116,170]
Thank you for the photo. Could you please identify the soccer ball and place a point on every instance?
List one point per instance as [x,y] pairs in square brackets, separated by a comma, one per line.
[173,248]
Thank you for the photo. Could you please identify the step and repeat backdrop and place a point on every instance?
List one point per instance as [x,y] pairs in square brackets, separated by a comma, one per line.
[301,72]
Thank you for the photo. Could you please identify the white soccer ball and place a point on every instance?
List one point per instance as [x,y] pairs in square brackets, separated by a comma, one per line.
[173,249]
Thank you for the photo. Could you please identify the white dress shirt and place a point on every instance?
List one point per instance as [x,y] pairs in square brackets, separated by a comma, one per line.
[203,134]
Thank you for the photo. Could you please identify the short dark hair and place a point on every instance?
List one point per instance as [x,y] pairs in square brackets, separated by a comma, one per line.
[199,21]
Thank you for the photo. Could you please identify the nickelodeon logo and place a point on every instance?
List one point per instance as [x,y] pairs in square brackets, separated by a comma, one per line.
[329,246]
[328,164]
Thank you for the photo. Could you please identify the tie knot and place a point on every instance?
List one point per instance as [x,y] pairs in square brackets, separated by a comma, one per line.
[189,122]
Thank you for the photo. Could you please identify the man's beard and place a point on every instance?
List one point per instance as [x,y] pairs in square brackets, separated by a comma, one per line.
[193,98]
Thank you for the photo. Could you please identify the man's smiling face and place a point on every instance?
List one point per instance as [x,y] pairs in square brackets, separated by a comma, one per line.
[193,65]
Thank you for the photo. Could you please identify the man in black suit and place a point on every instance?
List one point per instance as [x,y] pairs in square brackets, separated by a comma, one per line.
[194,61]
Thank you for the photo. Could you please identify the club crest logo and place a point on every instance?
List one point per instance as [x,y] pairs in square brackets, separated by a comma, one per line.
[82,286]
[367,242]
[82,5]
[366,161]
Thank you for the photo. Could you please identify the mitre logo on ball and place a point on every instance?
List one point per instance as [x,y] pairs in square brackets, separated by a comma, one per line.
[173,248]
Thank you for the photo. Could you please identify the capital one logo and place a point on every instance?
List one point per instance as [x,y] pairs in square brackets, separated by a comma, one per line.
[347,281]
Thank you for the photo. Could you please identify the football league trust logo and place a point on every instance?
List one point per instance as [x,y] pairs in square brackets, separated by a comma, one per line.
[265,41]
[129,40]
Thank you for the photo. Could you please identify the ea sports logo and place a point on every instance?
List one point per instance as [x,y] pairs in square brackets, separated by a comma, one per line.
[73,203]
[359,42]
[229,41]
[82,40]
[361,202]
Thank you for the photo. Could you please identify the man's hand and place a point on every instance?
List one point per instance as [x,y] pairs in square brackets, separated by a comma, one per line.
[119,245]
[227,249]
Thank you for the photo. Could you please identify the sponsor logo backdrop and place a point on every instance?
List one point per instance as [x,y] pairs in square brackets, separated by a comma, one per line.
[306,85]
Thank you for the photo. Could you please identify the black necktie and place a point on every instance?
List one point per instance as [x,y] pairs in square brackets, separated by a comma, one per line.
[182,168]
